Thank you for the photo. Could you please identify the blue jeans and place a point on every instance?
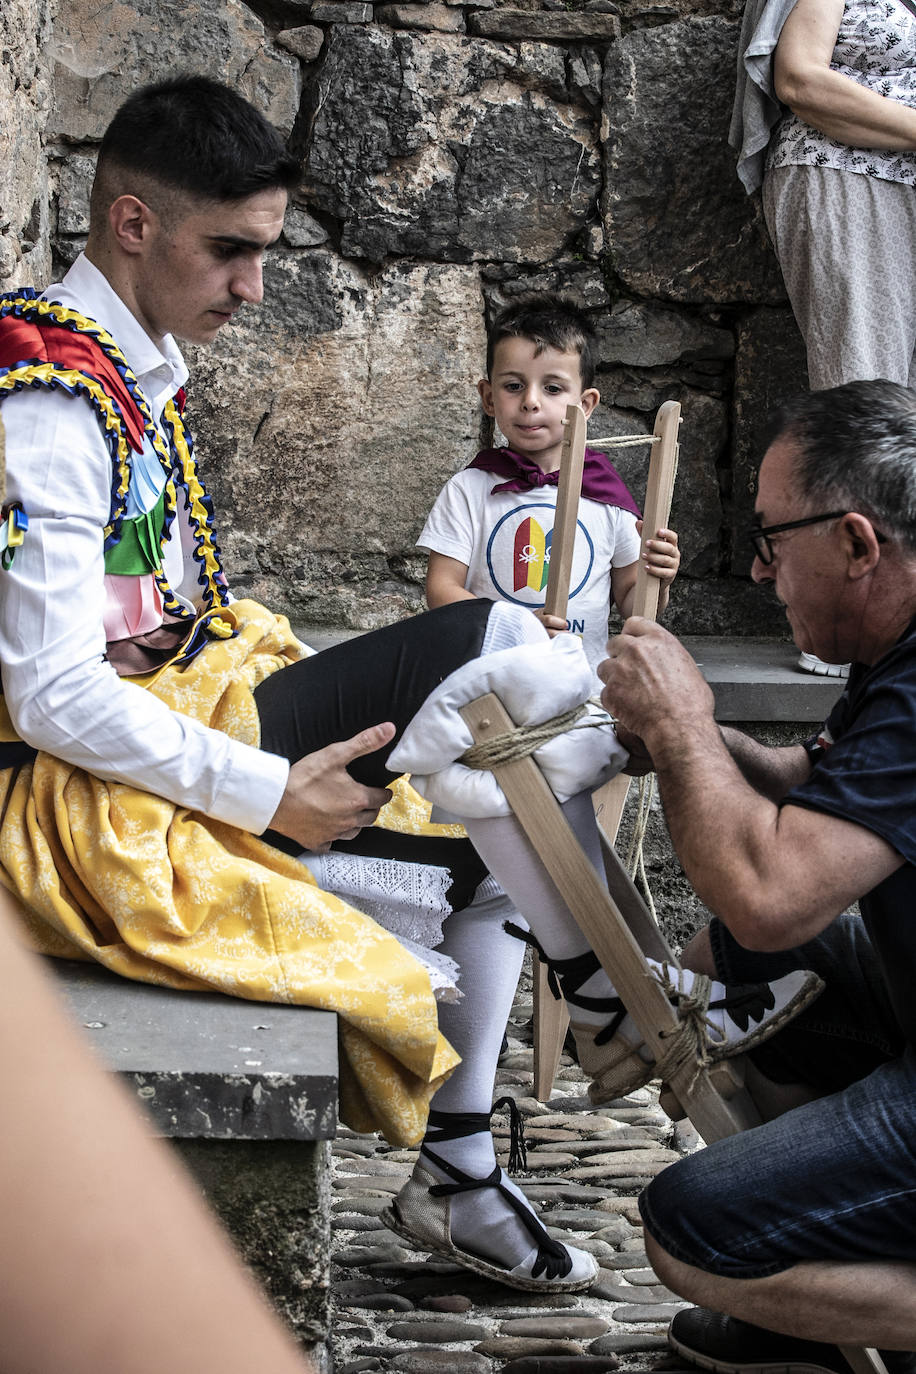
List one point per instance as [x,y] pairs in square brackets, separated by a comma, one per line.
[834,1179]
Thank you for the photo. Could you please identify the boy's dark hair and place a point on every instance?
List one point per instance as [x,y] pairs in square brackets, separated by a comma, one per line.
[548,321]
[196,135]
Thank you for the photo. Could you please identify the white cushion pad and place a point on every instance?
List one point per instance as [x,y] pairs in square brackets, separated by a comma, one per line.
[534,683]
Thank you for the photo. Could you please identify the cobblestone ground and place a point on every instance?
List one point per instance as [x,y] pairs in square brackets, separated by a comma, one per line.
[398,1309]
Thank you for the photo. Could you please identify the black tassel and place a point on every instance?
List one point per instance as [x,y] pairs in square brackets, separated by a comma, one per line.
[518,1149]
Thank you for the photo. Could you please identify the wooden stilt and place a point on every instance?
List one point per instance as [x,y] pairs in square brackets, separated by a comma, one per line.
[611,798]
[601,921]
[569,487]
[551,1018]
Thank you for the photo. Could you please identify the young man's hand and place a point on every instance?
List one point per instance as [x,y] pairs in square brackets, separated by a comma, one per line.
[322,802]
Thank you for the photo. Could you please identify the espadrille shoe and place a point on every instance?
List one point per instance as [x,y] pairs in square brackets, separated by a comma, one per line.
[734,1021]
[421,1213]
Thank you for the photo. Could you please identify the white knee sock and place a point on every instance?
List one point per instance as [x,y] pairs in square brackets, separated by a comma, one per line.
[508,626]
[490,961]
[505,849]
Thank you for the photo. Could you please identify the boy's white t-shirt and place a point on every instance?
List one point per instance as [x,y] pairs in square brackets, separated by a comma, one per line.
[504,538]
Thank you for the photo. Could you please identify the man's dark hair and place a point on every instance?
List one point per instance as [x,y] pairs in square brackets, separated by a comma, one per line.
[856,451]
[195,135]
[548,321]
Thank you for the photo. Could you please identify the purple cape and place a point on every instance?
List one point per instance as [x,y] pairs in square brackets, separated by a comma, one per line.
[600,479]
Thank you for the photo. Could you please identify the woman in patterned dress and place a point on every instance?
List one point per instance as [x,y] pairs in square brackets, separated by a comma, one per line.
[838,189]
[838,180]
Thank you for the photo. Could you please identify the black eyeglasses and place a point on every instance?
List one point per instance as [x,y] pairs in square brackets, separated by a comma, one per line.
[759,535]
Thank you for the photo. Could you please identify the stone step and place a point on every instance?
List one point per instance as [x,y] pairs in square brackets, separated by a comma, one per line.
[754,679]
[207,1066]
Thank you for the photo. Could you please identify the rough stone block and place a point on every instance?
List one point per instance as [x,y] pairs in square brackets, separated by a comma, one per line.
[696,510]
[73,189]
[574,26]
[585,72]
[724,606]
[769,368]
[581,282]
[450,148]
[341,12]
[102,55]
[25,255]
[641,388]
[649,336]
[301,230]
[445,18]
[677,221]
[67,250]
[305,41]
[274,1199]
[329,421]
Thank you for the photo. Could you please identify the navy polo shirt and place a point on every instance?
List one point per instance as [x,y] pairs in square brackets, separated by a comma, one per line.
[867,774]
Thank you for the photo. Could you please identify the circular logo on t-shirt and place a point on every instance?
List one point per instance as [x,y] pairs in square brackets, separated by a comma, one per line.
[518,555]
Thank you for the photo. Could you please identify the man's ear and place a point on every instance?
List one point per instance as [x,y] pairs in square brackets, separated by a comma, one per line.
[132,223]
[861,546]
[485,392]
[588,400]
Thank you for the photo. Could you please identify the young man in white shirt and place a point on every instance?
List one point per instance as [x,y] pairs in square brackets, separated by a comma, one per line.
[118,635]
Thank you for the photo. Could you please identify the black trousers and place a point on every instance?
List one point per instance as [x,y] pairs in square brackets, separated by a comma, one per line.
[383,675]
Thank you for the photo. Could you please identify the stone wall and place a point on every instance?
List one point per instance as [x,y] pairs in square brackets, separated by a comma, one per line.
[453,155]
[25,94]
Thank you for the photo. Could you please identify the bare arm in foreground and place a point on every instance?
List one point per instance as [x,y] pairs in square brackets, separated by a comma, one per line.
[109,1261]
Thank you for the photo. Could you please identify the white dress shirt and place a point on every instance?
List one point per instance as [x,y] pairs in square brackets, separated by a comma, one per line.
[63,695]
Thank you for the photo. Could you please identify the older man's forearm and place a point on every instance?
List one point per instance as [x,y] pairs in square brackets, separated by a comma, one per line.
[771,771]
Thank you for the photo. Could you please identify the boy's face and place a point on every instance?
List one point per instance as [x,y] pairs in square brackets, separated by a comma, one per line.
[527,394]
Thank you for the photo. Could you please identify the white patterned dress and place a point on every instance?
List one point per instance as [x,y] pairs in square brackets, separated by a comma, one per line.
[843,219]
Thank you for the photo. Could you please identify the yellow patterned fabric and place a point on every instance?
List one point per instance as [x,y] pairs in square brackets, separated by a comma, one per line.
[165,895]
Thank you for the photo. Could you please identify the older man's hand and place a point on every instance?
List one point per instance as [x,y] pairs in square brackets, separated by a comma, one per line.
[651,684]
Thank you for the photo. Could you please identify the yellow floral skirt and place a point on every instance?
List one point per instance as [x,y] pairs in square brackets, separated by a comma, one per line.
[165,895]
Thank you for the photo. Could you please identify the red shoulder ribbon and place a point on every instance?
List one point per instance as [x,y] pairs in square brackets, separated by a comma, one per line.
[22,342]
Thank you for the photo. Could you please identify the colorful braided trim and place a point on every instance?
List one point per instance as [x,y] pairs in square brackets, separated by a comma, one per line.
[176,457]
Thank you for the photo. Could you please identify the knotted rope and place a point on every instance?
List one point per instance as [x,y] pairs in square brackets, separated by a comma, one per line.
[690,1042]
[525,739]
[635,862]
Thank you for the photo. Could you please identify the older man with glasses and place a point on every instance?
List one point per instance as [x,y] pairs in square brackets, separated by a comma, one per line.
[802,1232]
